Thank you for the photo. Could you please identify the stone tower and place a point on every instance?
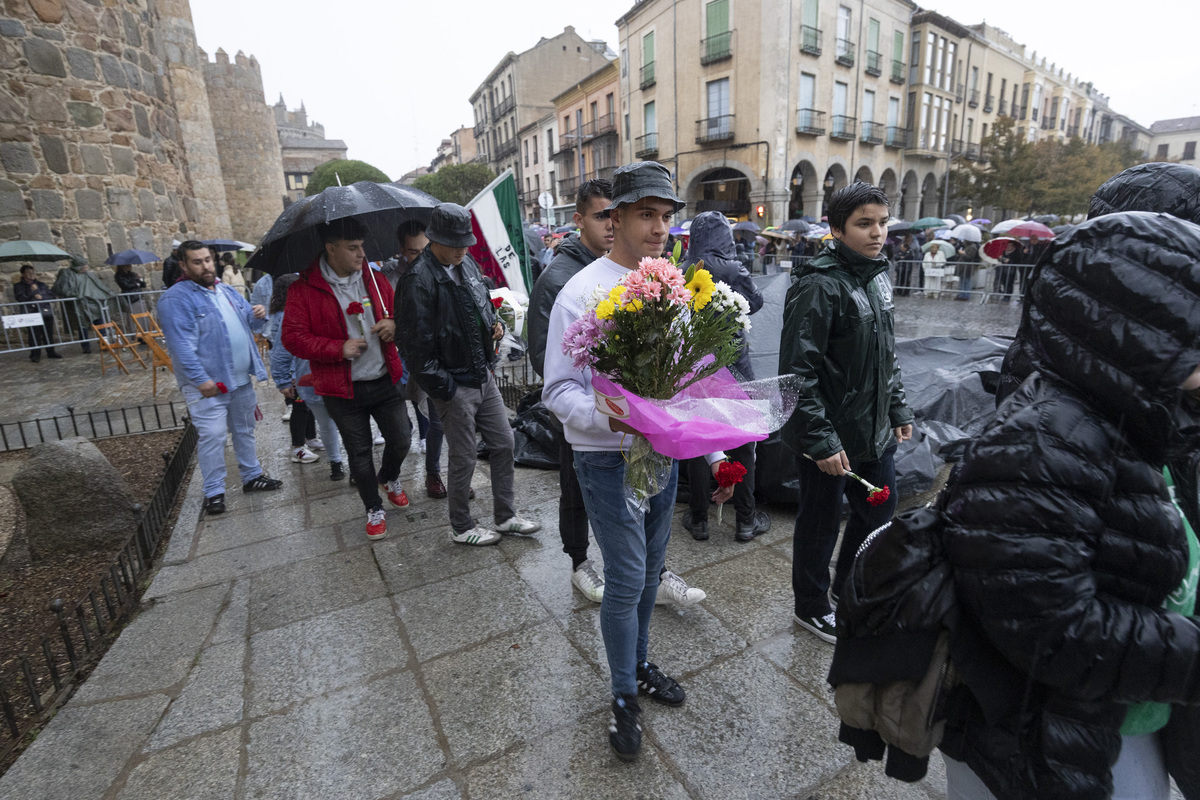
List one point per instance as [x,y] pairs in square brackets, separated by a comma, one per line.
[92,151]
[247,144]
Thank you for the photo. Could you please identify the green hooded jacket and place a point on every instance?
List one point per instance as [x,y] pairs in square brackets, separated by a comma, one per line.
[839,338]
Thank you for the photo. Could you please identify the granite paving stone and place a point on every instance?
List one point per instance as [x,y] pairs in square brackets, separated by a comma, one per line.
[442,790]
[202,769]
[359,743]
[751,594]
[802,656]
[179,547]
[478,612]
[223,532]
[311,587]
[547,570]
[317,655]
[231,625]
[409,560]
[211,699]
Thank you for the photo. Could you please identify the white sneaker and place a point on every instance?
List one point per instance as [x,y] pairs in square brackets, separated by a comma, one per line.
[475,536]
[378,439]
[420,445]
[287,413]
[588,581]
[518,525]
[674,590]
[315,444]
[302,455]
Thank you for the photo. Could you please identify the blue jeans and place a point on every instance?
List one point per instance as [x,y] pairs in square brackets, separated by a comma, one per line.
[214,417]
[634,546]
[329,431]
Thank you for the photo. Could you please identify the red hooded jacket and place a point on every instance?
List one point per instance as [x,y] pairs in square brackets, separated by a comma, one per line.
[314,328]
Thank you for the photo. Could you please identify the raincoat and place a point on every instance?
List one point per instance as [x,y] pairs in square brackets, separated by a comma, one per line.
[92,296]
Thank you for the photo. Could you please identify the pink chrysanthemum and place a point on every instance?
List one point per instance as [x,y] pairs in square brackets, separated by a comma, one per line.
[581,337]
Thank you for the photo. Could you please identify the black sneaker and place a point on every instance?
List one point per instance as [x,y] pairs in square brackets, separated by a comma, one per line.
[625,727]
[214,504]
[824,628]
[336,472]
[756,527]
[261,484]
[661,688]
[698,529]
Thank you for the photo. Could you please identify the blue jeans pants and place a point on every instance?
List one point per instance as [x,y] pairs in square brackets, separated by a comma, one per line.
[214,417]
[329,432]
[818,520]
[634,546]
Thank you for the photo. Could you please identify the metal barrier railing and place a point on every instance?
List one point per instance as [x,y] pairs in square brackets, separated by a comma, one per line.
[35,682]
[92,424]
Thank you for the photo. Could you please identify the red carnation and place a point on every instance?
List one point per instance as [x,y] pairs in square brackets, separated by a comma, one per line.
[497,302]
[879,496]
[221,388]
[355,308]
[729,473]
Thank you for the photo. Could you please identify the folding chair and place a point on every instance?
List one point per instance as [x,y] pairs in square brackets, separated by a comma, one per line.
[112,341]
[264,350]
[147,326]
[158,358]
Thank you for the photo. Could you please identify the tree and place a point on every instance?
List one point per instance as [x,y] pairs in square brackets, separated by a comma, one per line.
[456,183]
[348,172]
[1005,178]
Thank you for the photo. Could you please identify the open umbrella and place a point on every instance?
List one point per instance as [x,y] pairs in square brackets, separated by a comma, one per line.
[943,245]
[808,219]
[925,223]
[967,233]
[958,218]
[565,229]
[944,234]
[1059,230]
[995,248]
[898,226]
[747,225]
[980,221]
[818,232]
[775,233]
[292,242]
[1031,228]
[676,230]
[797,225]
[1005,226]
[1046,219]
[225,245]
[131,257]
[29,250]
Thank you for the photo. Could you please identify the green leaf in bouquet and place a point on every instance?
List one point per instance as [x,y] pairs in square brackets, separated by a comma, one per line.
[677,252]
[691,273]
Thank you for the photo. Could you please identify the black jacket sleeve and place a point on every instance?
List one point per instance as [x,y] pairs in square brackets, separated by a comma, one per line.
[419,335]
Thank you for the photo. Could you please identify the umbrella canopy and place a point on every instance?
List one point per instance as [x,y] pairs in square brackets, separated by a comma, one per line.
[925,223]
[292,243]
[808,219]
[898,226]
[775,233]
[943,234]
[29,250]
[1031,228]
[565,229]
[958,218]
[131,257]
[1046,219]
[677,230]
[981,221]
[1005,226]
[943,246]
[967,233]
[747,225]
[996,247]
[225,245]
[818,232]
[797,225]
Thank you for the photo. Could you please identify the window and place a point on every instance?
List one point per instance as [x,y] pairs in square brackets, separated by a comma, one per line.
[974,79]
[718,98]
[648,49]
[716,18]
[944,133]
[930,42]
[948,76]
[873,35]
[1189,151]
[809,18]
[914,55]
[893,120]
[808,90]
[649,118]
[624,61]
[926,120]
[537,184]
[868,108]
[528,186]
[839,98]
[595,105]
[982,132]
[627,127]
[970,130]
[535,148]
[609,104]
[525,147]
[549,143]
[1037,102]
[844,47]
[1161,155]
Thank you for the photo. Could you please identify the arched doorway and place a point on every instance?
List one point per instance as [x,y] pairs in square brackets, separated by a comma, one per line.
[929,196]
[804,186]
[726,190]
[835,178]
[864,175]
[887,182]
[910,197]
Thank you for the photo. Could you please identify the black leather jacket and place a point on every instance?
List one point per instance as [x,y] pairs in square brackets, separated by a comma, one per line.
[444,329]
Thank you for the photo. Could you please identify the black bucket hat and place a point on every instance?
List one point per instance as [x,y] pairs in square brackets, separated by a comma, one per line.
[450,226]
[641,179]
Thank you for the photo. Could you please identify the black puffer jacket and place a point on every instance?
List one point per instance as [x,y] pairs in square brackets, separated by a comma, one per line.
[569,257]
[1060,530]
[444,329]
[711,241]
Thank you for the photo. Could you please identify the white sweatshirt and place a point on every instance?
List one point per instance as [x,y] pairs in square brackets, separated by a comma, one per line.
[568,391]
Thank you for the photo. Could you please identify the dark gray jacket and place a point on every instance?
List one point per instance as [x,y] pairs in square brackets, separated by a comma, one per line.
[570,257]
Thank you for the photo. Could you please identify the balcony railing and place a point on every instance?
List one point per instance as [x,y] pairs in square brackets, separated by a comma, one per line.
[972,151]
[480,127]
[874,63]
[989,103]
[843,127]
[960,94]
[506,148]
[810,40]
[810,122]
[716,48]
[568,187]
[845,52]
[646,145]
[1072,130]
[714,129]
[566,143]
[506,105]
[897,71]
[973,99]
[647,76]
[872,133]
[600,126]
[897,136]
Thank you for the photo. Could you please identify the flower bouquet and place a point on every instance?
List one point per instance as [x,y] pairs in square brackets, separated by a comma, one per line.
[658,344]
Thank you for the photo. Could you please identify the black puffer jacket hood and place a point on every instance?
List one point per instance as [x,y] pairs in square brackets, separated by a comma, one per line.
[1114,311]
[1163,187]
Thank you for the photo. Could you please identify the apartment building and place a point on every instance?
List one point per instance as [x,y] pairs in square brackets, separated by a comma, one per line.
[588,131]
[459,148]
[538,141]
[1175,140]
[519,91]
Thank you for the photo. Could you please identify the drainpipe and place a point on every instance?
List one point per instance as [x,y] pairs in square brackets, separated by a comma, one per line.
[962,125]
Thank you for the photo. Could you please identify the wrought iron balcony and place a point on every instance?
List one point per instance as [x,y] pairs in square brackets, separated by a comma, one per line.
[973,99]
[989,103]
[843,127]
[1072,130]
[647,74]
[600,126]
[972,151]
[646,145]
[714,129]
[897,71]
[810,40]
[845,52]
[506,105]
[872,133]
[897,136]
[874,63]
[567,141]
[568,187]
[506,148]
[810,122]
[960,94]
[1003,110]
[716,48]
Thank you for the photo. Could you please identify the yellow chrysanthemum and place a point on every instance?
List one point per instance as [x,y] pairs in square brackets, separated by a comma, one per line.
[615,294]
[605,309]
[632,305]
[701,286]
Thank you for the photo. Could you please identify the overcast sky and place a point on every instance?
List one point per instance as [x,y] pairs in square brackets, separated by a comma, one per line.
[392,78]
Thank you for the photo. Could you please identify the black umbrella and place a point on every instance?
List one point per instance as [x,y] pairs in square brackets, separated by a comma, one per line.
[808,219]
[747,225]
[960,219]
[292,243]
[797,225]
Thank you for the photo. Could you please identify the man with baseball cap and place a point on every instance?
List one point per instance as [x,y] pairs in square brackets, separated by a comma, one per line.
[448,327]
[633,543]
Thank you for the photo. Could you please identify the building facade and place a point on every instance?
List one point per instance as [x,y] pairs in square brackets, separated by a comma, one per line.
[589,136]
[538,142]
[1175,140]
[303,147]
[459,148]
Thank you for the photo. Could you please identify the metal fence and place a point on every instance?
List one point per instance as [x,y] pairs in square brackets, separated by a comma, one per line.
[93,424]
[516,379]
[35,682]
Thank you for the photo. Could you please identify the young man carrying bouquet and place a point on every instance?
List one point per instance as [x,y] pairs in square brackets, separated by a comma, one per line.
[838,339]
[632,539]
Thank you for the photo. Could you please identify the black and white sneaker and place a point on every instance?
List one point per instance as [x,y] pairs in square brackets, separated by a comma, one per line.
[660,687]
[822,627]
[261,484]
[625,727]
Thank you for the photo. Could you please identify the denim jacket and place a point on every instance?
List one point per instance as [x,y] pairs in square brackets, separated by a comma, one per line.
[196,336]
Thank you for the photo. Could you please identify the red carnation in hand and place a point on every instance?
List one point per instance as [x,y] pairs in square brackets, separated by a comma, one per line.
[355,308]
[221,388]
[879,496]
[729,473]
[497,302]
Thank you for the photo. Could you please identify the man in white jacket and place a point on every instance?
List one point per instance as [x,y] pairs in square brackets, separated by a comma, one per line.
[633,544]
